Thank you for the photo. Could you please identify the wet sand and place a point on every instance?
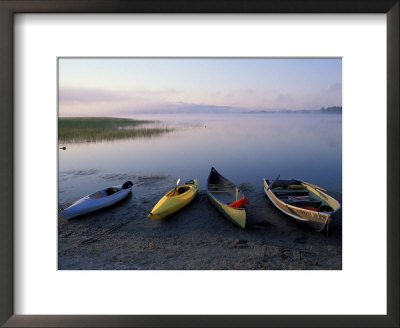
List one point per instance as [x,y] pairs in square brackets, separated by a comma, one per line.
[197,237]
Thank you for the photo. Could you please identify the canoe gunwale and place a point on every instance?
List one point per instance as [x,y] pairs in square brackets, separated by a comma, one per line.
[326,215]
[230,184]
[225,208]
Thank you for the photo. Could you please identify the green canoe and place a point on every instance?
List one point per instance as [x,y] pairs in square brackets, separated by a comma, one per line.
[227,198]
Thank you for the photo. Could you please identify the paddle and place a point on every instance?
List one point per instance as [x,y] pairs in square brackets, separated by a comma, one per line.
[312,185]
[177,182]
[270,186]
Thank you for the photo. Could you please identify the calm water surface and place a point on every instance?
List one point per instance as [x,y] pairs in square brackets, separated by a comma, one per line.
[245,148]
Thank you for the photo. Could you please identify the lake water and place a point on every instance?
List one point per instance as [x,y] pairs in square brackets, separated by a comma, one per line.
[245,148]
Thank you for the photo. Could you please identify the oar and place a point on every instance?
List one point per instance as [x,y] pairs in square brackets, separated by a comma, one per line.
[177,182]
[270,186]
[312,185]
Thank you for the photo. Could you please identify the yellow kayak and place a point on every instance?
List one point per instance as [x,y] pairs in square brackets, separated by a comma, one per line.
[174,200]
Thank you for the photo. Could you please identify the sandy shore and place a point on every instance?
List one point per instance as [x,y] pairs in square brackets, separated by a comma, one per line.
[197,237]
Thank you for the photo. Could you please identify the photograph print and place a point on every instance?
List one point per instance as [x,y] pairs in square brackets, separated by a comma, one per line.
[199,163]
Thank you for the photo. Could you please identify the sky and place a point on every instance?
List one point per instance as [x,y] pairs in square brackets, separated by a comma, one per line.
[123,86]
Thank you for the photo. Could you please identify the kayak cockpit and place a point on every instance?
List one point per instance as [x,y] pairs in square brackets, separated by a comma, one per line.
[182,190]
[98,194]
[178,191]
[111,190]
[105,193]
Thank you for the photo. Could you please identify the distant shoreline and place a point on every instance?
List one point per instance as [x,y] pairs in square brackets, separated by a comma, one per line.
[323,110]
[228,110]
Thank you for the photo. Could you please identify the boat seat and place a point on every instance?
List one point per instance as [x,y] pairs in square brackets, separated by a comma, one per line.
[110,191]
[220,186]
[282,192]
[182,190]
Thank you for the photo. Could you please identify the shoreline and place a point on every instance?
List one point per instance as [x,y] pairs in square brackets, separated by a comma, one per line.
[197,237]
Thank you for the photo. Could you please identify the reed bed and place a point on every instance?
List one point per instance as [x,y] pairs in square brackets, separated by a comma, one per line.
[96,129]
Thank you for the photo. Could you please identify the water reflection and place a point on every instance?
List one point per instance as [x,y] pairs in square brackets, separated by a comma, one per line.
[243,147]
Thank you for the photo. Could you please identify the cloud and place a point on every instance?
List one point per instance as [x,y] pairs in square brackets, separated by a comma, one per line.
[90,95]
[98,95]
[84,101]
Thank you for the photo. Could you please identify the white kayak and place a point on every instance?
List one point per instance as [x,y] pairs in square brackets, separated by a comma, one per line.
[97,200]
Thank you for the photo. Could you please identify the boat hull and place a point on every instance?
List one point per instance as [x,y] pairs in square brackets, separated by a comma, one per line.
[221,201]
[236,216]
[314,219]
[170,202]
[87,204]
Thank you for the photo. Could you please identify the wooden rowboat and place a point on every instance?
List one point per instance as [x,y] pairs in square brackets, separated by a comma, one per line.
[227,198]
[302,201]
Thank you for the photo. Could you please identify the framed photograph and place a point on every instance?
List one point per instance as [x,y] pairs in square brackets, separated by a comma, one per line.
[175,121]
[209,164]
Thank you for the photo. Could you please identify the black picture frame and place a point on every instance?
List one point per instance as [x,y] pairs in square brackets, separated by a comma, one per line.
[10,7]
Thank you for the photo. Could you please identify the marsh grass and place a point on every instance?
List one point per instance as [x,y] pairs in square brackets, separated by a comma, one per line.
[96,129]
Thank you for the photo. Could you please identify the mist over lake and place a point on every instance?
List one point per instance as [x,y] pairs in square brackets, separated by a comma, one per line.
[244,147]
